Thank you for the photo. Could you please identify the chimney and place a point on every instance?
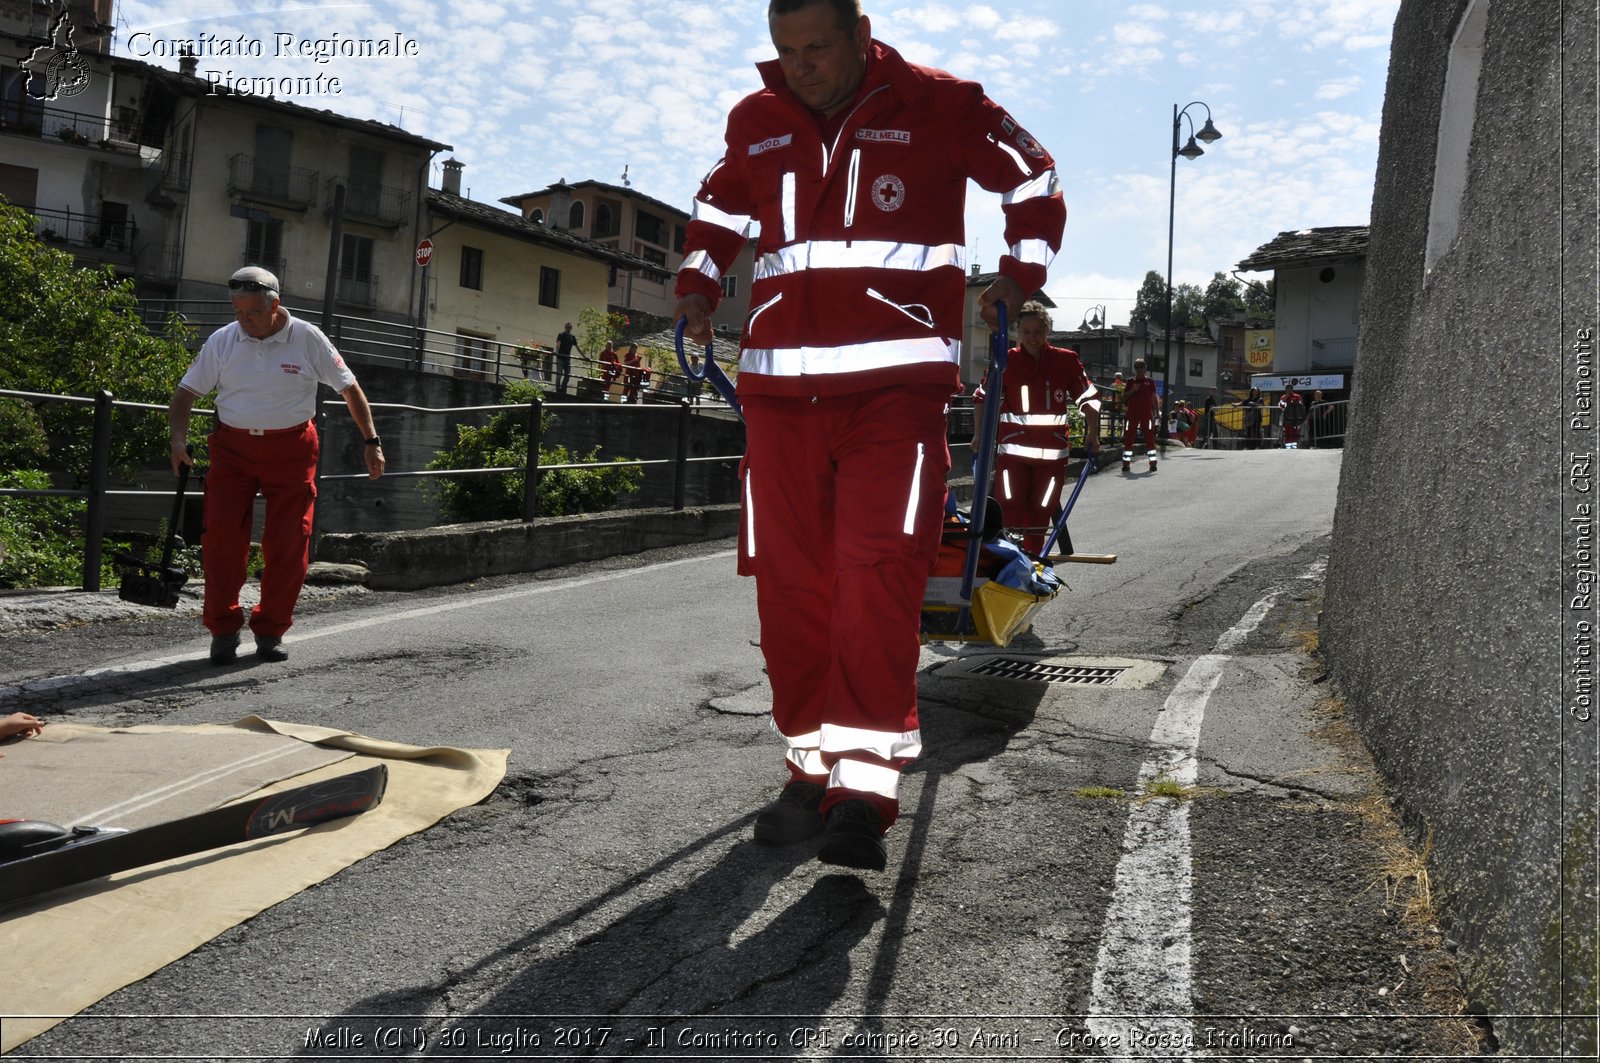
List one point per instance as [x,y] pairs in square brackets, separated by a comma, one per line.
[187,63]
[452,176]
[560,205]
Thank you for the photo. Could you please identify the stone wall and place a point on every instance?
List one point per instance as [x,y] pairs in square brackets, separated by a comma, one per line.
[1449,611]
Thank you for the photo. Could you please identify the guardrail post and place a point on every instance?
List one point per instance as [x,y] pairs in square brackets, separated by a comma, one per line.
[321,420]
[94,521]
[530,486]
[680,482]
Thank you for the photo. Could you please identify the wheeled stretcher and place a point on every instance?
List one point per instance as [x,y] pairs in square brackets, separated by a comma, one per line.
[984,586]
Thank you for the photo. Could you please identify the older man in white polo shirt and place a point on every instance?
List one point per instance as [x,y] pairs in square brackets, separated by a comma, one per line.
[265,368]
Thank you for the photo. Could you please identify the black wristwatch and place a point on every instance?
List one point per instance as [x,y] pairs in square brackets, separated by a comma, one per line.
[375,441]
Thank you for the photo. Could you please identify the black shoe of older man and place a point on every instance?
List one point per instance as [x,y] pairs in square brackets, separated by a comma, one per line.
[853,837]
[793,817]
[224,648]
[270,648]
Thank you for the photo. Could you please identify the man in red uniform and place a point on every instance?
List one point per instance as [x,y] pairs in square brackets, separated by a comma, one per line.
[855,164]
[1141,401]
[264,367]
[1293,415]
[1033,447]
[632,373]
[610,367]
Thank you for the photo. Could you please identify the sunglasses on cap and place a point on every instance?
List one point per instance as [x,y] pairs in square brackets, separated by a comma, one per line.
[250,286]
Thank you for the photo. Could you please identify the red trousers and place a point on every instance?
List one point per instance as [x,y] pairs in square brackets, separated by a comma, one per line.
[843,509]
[1030,494]
[1135,429]
[282,465]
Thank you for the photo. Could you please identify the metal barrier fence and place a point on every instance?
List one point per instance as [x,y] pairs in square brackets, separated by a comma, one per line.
[403,346]
[98,490]
[1323,428]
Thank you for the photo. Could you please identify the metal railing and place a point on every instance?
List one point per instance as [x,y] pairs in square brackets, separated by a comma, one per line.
[364,201]
[69,127]
[1324,427]
[531,466]
[402,346]
[288,184]
[83,230]
[97,491]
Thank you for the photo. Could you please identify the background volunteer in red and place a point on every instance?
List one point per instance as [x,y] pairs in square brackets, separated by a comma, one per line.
[855,164]
[264,367]
[1042,383]
[1141,400]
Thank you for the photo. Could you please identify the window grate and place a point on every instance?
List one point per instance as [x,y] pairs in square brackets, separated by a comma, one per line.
[1042,672]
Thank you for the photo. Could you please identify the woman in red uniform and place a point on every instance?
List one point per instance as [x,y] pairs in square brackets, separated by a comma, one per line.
[1042,384]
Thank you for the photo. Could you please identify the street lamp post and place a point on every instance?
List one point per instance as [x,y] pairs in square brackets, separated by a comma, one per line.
[1191,151]
[1097,317]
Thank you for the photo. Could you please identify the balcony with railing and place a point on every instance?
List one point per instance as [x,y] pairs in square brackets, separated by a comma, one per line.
[294,187]
[372,204]
[162,264]
[84,231]
[47,123]
[174,173]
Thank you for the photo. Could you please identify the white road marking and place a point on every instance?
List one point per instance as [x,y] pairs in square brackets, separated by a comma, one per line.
[468,601]
[1141,993]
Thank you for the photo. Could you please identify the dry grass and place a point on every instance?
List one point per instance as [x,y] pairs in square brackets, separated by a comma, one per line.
[1309,641]
[1406,883]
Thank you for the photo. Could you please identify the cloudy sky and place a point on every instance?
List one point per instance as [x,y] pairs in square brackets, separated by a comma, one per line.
[530,92]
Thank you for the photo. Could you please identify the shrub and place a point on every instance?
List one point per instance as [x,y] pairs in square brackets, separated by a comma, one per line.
[503,443]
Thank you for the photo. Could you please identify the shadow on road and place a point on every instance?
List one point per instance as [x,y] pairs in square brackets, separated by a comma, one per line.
[724,954]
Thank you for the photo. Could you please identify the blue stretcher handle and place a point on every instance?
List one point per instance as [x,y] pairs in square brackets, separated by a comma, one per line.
[1061,521]
[709,371]
[984,466]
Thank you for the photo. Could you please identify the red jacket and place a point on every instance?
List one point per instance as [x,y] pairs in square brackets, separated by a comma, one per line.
[1038,395]
[861,274]
[1140,399]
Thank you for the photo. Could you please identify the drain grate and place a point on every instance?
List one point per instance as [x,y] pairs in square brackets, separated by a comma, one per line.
[1043,672]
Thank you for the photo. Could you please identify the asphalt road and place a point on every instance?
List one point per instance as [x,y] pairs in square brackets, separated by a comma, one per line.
[607,900]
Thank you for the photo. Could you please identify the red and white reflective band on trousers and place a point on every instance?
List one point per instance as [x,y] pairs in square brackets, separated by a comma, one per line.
[843,510]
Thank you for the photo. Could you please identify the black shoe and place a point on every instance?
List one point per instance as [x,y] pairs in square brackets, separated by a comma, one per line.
[793,817]
[224,648]
[853,837]
[269,648]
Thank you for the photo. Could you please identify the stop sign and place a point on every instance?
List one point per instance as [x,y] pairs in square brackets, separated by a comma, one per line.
[424,251]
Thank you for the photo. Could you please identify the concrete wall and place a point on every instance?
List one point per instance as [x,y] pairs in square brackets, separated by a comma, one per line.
[460,552]
[1452,599]
[412,439]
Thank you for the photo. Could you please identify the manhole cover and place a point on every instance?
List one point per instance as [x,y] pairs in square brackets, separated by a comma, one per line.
[1107,673]
[1045,672]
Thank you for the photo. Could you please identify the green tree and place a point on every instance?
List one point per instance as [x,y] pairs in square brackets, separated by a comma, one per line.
[502,442]
[1261,300]
[1188,305]
[1150,302]
[71,331]
[1224,298]
[597,327]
